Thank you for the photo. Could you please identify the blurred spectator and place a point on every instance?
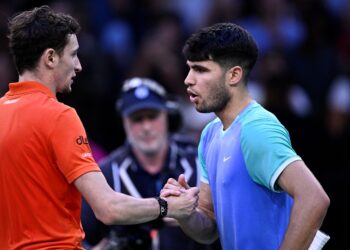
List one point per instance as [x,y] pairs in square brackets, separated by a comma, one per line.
[159,56]
[290,102]
[117,38]
[274,24]
[313,63]
[193,13]
[225,11]
[141,167]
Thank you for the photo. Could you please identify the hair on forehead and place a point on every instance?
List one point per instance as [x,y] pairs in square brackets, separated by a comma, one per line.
[33,31]
[225,43]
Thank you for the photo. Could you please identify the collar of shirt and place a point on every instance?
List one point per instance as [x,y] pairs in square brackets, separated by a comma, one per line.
[20,88]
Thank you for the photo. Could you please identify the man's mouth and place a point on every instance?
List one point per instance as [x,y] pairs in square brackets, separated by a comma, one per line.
[193,96]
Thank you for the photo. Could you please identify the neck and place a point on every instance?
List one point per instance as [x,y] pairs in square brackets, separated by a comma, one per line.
[237,103]
[152,163]
[37,77]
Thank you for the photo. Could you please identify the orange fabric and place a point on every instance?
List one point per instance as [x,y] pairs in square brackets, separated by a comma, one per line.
[43,149]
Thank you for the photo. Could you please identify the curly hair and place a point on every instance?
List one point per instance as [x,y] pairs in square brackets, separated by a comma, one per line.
[32,32]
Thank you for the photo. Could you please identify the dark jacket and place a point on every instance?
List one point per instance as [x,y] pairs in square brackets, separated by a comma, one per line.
[124,174]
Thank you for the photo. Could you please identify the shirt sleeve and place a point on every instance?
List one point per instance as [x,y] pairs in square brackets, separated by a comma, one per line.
[70,145]
[267,151]
[201,157]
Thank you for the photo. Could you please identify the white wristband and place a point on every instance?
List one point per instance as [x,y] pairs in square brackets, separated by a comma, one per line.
[319,241]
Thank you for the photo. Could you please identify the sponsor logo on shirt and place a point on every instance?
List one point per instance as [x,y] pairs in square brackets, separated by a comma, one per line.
[86,155]
[81,140]
[11,101]
[226,158]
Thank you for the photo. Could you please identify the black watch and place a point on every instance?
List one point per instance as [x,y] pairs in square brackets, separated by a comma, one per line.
[163,207]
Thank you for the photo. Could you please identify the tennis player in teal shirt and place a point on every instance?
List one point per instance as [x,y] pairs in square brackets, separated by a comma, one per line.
[256,193]
[241,184]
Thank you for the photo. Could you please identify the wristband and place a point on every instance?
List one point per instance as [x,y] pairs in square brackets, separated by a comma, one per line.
[163,207]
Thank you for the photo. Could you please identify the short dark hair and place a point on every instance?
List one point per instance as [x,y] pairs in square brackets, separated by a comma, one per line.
[225,43]
[32,32]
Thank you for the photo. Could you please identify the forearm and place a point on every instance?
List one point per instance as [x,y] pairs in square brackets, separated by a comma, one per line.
[112,207]
[125,210]
[306,219]
[200,227]
[309,208]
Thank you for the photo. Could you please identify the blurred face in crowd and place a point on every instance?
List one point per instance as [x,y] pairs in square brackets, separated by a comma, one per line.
[68,65]
[147,130]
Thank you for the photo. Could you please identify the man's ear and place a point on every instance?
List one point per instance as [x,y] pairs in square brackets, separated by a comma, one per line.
[50,58]
[234,75]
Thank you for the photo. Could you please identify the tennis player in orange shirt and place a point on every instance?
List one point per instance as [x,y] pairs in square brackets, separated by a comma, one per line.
[46,162]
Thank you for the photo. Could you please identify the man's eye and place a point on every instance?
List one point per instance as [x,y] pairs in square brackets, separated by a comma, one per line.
[152,116]
[140,118]
[199,69]
[137,119]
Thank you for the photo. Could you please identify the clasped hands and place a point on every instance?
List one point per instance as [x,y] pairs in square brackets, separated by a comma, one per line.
[182,199]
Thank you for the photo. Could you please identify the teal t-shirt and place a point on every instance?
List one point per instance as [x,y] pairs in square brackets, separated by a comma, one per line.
[241,165]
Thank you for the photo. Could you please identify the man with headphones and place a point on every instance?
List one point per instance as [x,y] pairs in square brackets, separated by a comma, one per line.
[150,156]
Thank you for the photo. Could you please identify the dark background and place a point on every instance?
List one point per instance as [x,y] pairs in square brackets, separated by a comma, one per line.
[302,74]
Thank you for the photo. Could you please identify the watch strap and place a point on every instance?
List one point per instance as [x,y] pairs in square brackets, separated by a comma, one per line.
[163,207]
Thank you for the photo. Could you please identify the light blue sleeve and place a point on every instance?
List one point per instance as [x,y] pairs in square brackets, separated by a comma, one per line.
[201,156]
[267,150]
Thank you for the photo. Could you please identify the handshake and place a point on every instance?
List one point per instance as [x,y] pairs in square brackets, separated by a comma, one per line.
[181,198]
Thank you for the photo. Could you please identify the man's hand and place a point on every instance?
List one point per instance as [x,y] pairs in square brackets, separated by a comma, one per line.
[182,181]
[196,217]
[182,206]
[182,199]
[174,188]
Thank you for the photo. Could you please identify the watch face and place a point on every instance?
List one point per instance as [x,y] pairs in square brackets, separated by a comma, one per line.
[163,205]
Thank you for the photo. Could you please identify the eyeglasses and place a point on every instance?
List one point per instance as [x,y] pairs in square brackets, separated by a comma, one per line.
[133,83]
